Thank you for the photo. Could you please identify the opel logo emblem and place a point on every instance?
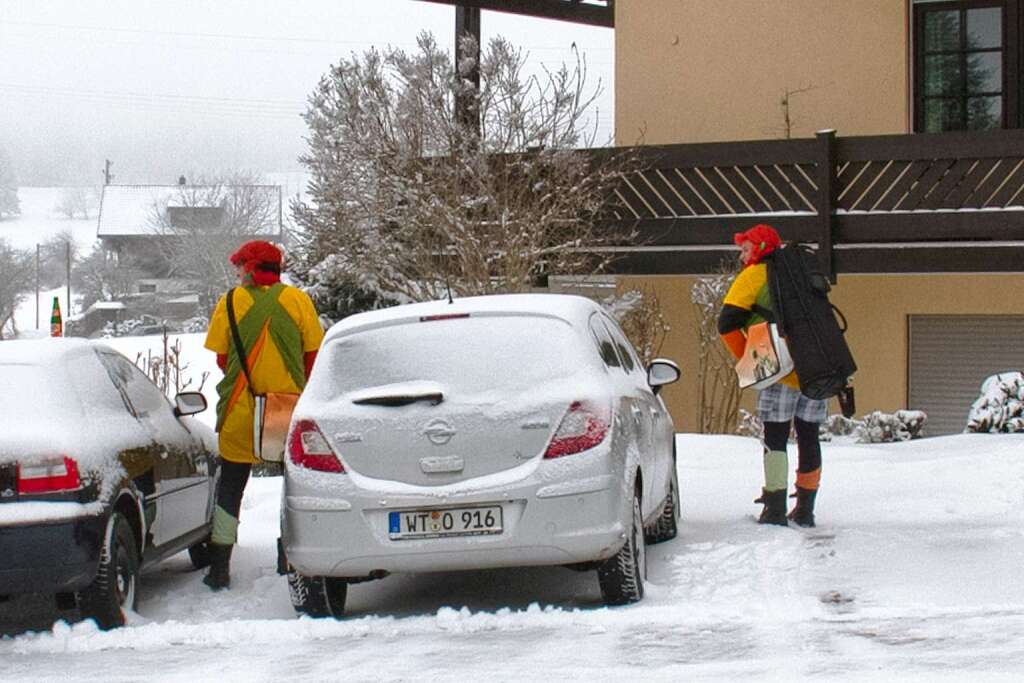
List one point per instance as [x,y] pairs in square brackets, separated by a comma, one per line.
[439,432]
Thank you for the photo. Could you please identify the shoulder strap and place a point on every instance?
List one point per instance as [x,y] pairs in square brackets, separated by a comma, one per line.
[239,347]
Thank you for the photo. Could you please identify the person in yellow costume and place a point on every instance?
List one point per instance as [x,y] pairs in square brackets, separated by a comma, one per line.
[747,303]
[280,332]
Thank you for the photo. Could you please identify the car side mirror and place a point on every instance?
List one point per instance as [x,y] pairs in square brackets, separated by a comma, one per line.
[660,372]
[189,403]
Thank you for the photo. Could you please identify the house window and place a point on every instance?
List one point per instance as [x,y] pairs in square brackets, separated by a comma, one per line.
[145,288]
[961,60]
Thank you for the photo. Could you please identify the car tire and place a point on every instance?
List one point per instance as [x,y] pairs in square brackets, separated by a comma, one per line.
[115,587]
[200,554]
[622,576]
[667,526]
[319,597]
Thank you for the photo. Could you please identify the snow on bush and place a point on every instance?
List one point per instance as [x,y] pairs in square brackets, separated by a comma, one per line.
[876,427]
[1000,408]
[879,427]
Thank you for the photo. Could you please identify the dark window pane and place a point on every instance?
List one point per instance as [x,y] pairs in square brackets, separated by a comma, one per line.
[942,115]
[984,27]
[942,30]
[984,72]
[984,113]
[942,75]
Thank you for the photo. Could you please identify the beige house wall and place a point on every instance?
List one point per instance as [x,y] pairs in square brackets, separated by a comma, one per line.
[717,70]
[876,307]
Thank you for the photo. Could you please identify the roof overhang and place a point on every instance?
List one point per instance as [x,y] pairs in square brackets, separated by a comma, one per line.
[591,12]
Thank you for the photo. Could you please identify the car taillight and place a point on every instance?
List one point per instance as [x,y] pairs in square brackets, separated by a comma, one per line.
[49,475]
[308,448]
[584,426]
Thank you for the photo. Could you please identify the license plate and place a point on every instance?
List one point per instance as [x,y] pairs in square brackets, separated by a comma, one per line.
[471,521]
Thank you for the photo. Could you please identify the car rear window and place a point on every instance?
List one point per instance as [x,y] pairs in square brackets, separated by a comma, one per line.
[468,355]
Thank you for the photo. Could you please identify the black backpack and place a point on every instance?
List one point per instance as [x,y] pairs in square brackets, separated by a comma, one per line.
[816,341]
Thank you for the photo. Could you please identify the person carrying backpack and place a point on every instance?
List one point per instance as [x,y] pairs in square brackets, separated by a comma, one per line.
[748,302]
[280,332]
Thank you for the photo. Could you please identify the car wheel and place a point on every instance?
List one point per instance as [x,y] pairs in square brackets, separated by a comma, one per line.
[667,526]
[317,596]
[622,576]
[200,554]
[114,588]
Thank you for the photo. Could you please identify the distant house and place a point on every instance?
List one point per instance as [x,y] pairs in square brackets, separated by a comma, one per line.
[140,223]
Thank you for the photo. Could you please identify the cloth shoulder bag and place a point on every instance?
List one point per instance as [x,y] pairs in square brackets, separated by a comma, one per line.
[765,359]
[272,411]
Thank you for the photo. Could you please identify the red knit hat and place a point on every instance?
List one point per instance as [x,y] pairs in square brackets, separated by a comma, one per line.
[254,253]
[763,237]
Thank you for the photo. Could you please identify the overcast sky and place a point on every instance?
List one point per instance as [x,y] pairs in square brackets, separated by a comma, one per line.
[164,87]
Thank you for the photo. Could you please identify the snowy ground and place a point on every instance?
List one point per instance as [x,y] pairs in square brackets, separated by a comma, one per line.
[915,573]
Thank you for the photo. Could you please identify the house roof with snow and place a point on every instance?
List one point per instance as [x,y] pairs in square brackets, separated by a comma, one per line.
[134,210]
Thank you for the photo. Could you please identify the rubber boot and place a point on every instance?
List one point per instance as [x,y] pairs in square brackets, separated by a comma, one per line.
[774,511]
[219,576]
[803,511]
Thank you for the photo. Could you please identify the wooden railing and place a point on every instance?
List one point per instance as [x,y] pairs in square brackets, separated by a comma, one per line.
[901,203]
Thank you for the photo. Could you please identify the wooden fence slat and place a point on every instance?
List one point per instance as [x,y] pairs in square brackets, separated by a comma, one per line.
[781,183]
[924,184]
[902,185]
[666,193]
[725,181]
[766,196]
[705,191]
[957,198]
[949,182]
[1011,188]
[652,198]
[883,184]
[633,191]
[853,192]
[687,192]
[798,175]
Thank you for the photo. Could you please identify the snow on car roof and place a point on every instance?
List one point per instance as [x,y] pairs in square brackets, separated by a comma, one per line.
[40,351]
[568,307]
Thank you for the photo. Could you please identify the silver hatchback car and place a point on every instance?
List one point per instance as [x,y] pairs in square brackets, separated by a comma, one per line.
[495,431]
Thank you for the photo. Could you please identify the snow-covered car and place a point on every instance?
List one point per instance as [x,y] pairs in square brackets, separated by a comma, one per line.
[100,476]
[500,431]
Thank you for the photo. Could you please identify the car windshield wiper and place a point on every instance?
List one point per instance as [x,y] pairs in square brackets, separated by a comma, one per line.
[401,394]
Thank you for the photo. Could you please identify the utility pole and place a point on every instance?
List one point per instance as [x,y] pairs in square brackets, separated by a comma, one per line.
[37,285]
[467,25]
[67,253]
[107,175]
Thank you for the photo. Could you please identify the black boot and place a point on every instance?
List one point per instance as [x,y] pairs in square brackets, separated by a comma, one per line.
[774,511]
[803,512]
[219,575]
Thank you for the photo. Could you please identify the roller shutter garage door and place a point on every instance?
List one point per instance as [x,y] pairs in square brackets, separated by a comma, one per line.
[951,355]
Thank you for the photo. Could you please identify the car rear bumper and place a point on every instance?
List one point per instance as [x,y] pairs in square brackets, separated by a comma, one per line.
[50,558]
[545,522]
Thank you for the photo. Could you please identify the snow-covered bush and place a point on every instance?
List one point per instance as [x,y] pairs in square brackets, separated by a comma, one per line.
[1000,408]
[639,314]
[195,325]
[876,427]
[879,427]
[749,424]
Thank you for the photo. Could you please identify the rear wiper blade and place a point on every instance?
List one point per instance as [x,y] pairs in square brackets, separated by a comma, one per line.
[399,394]
[394,400]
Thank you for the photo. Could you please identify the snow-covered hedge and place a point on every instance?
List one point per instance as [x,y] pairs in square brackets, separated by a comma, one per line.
[1000,408]
[876,427]
[879,427]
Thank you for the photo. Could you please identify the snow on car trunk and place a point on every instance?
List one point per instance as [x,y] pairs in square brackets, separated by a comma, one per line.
[434,401]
